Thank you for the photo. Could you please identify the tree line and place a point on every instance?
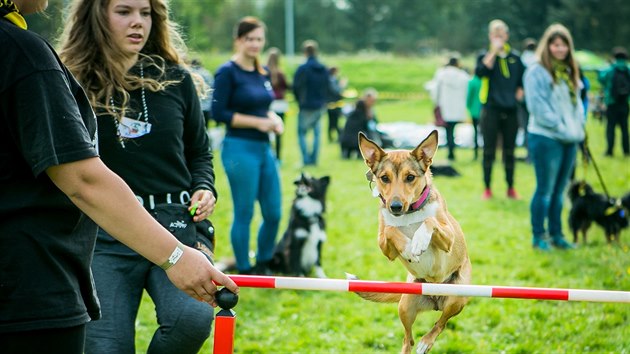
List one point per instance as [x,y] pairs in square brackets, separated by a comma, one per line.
[405,27]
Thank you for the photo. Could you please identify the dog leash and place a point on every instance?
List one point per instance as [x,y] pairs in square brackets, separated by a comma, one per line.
[588,156]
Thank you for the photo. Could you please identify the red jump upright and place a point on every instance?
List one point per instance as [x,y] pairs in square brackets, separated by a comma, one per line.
[225,322]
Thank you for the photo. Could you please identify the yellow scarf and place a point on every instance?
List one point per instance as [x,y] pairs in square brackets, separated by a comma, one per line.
[485,81]
[9,11]
[562,72]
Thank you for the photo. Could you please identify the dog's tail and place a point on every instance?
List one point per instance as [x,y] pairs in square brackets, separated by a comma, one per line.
[376,297]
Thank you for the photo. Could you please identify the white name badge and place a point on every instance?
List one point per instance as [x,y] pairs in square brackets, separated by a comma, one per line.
[131,128]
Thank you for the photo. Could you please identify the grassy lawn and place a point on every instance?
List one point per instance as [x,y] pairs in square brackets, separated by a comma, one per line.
[498,238]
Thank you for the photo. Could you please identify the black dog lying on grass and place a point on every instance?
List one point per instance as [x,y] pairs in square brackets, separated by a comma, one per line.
[587,207]
[300,249]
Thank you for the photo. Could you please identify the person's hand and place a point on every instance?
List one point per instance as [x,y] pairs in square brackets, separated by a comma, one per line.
[204,200]
[266,125]
[497,44]
[278,127]
[520,94]
[196,276]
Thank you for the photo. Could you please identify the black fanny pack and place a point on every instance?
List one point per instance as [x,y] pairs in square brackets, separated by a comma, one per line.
[177,220]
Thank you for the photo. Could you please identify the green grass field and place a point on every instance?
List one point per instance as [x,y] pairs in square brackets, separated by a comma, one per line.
[498,238]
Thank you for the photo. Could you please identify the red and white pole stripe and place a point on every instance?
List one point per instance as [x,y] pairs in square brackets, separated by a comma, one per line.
[253,281]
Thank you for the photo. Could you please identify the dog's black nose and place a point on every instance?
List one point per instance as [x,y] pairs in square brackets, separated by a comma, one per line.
[396,207]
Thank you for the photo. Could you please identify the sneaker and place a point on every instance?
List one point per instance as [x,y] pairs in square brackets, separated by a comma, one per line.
[562,244]
[511,193]
[487,194]
[541,245]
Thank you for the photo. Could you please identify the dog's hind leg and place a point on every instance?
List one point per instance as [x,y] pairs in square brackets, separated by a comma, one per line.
[319,271]
[452,307]
[408,308]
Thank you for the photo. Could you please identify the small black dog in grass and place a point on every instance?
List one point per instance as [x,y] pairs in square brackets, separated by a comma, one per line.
[588,207]
[299,251]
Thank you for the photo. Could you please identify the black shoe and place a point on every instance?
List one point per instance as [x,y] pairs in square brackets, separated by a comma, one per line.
[262,268]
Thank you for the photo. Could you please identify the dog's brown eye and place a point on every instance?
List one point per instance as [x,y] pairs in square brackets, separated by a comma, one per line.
[410,178]
[384,179]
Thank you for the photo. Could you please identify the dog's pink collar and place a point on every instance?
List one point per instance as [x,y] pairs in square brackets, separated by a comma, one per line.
[418,204]
[424,198]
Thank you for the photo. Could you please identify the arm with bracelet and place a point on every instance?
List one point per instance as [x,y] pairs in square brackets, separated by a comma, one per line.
[107,200]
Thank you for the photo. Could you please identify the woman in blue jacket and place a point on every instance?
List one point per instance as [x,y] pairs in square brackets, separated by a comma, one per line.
[556,126]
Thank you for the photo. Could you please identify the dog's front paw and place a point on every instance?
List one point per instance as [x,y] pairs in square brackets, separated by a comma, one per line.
[319,273]
[421,240]
[409,255]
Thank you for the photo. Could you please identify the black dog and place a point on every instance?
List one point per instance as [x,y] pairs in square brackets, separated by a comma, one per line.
[625,202]
[300,249]
[588,207]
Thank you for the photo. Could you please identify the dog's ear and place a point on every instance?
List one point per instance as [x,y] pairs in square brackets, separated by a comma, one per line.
[425,151]
[371,152]
[325,181]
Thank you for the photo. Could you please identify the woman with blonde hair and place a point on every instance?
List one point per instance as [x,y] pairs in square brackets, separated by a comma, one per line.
[556,126]
[128,57]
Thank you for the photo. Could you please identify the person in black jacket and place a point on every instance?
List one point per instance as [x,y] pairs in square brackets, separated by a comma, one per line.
[311,87]
[54,190]
[501,72]
[362,119]
[614,79]
[151,133]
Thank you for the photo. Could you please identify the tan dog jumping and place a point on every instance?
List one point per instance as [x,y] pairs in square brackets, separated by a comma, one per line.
[416,227]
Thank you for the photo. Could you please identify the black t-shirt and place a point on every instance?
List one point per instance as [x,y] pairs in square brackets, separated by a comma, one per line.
[175,155]
[46,242]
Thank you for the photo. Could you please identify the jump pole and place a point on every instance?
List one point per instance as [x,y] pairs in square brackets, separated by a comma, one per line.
[254,281]
[225,343]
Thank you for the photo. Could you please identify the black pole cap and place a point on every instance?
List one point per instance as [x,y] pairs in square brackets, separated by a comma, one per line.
[226,299]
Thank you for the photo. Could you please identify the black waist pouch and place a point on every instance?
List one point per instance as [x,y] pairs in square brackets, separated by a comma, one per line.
[177,220]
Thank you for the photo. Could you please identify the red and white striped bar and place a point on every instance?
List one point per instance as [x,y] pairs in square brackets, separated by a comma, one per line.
[254,281]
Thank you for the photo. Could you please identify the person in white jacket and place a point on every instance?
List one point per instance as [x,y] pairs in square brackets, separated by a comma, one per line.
[450,93]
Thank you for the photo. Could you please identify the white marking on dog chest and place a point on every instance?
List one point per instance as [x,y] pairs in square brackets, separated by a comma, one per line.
[309,249]
[309,206]
[416,217]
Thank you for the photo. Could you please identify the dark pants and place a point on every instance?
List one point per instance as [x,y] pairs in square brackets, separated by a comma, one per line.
[50,341]
[333,123]
[617,114]
[497,122]
[121,275]
[279,139]
[450,139]
[475,124]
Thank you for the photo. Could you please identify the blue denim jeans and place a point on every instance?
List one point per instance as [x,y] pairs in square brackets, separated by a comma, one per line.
[553,162]
[307,120]
[121,275]
[253,176]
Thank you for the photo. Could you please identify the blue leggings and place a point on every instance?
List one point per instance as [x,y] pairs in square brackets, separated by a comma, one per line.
[121,275]
[253,175]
